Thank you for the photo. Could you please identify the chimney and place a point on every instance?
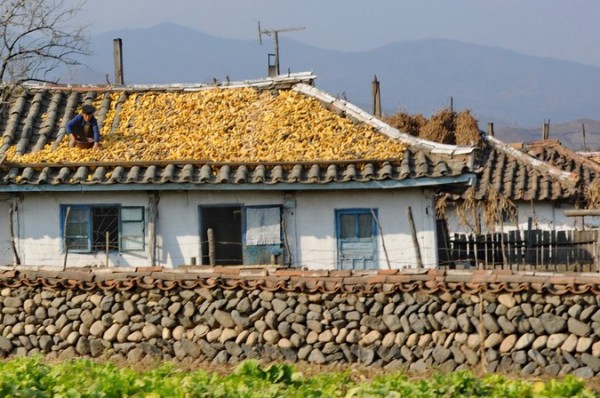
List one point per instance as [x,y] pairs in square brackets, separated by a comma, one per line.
[490,129]
[118,57]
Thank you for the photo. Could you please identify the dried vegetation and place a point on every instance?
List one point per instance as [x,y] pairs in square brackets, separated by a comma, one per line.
[446,126]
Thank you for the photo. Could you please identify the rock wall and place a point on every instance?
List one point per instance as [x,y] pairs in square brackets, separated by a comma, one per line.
[510,322]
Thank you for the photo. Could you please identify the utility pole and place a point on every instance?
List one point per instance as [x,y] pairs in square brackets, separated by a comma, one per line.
[274,69]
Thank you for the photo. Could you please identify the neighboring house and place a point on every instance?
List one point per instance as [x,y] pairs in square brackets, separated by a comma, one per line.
[515,189]
[586,169]
[239,197]
[524,201]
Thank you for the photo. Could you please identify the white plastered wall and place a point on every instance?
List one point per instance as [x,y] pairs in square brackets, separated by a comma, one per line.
[6,253]
[309,217]
[544,215]
[39,239]
[315,219]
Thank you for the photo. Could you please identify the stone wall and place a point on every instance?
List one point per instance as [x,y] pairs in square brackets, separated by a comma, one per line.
[514,322]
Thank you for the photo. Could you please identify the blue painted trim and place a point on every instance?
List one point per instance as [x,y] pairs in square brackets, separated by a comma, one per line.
[468,179]
[121,222]
[374,230]
[63,216]
[88,207]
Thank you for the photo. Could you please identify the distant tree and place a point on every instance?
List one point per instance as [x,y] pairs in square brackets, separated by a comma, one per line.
[38,36]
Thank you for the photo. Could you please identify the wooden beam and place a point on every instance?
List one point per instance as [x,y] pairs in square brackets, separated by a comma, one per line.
[582,212]
[415,241]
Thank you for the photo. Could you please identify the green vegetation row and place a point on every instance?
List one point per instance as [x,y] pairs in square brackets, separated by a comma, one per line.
[31,377]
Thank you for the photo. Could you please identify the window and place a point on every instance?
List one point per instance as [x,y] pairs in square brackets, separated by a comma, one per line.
[100,227]
[249,235]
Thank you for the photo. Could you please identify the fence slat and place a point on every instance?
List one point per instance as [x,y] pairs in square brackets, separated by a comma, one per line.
[533,248]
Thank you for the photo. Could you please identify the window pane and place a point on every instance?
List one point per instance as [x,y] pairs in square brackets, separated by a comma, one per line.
[132,229]
[132,213]
[263,226]
[105,220]
[347,226]
[132,243]
[365,225]
[77,243]
[77,229]
[77,215]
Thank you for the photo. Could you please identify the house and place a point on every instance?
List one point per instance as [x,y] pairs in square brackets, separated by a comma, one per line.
[524,200]
[267,171]
[586,169]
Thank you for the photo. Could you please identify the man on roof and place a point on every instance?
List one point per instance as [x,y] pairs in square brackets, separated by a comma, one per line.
[83,129]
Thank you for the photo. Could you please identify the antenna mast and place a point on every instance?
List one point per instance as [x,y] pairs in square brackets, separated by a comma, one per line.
[274,69]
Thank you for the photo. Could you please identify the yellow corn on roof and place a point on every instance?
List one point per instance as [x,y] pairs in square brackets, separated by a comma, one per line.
[220,125]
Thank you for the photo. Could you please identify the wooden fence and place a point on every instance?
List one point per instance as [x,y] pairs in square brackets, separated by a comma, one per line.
[533,249]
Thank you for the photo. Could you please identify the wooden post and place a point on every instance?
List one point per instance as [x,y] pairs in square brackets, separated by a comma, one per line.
[546,130]
[65,237]
[152,217]
[107,244]
[376,93]
[597,248]
[211,247]
[490,129]
[387,258]
[118,57]
[477,221]
[13,243]
[502,245]
[583,131]
[413,233]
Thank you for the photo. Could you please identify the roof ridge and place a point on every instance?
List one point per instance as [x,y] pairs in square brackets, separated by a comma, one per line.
[268,82]
[535,163]
[557,145]
[379,125]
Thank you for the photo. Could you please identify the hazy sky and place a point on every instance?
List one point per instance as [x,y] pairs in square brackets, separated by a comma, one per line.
[566,29]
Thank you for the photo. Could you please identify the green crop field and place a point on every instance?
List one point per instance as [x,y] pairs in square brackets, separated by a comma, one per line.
[31,377]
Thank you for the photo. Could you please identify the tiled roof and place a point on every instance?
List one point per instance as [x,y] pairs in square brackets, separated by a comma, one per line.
[518,176]
[318,281]
[552,152]
[413,165]
[38,116]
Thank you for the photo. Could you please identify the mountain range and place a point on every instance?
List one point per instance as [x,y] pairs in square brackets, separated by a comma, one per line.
[516,92]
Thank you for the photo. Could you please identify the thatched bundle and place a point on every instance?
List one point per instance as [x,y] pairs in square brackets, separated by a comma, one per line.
[445,126]
[591,194]
[410,124]
[467,129]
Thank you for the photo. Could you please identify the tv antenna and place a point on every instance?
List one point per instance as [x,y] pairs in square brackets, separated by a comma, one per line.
[274,68]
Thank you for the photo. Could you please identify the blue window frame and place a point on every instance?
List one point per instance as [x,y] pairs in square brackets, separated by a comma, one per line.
[356,233]
[92,228]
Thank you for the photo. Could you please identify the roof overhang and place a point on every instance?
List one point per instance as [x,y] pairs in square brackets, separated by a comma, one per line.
[465,180]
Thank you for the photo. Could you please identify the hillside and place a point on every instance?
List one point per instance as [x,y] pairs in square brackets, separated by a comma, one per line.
[570,134]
